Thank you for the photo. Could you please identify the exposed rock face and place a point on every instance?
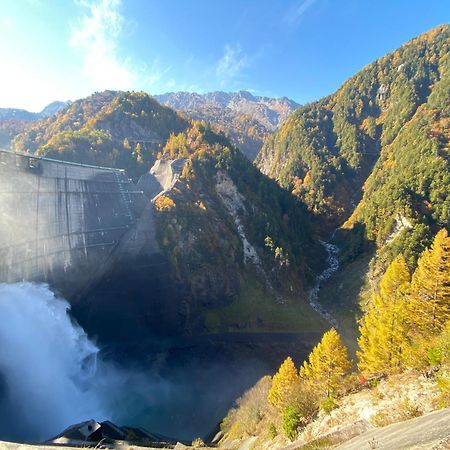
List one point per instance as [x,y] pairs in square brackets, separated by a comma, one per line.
[233,202]
[161,177]
[246,119]
[401,223]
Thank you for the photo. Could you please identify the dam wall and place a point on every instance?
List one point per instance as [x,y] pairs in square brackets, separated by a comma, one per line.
[91,234]
[61,222]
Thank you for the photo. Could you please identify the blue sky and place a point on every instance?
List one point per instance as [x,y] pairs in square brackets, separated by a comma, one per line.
[302,49]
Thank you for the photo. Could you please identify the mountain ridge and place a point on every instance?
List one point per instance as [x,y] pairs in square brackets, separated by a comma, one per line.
[23,114]
[14,121]
[246,119]
[239,101]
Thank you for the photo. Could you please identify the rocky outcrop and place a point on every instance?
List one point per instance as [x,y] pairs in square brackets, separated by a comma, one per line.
[162,177]
[234,204]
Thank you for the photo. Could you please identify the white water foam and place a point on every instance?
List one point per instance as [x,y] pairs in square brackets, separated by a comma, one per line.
[47,366]
[332,266]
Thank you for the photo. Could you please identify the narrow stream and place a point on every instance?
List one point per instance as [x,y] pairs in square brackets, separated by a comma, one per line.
[332,266]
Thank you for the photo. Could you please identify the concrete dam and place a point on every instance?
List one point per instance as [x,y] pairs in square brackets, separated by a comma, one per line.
[60,222]
[90,233]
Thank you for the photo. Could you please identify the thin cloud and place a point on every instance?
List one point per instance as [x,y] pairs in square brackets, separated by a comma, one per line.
[97,36]
[154,75]
[231,64]
[296,13]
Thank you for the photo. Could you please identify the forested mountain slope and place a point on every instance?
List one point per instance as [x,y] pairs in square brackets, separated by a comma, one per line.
[242,249]
[326,149]
[407,194]
[110,128]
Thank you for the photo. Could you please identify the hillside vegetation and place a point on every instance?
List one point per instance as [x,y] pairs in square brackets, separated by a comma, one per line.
[236,240]
[114,129]
[326,149]
[404,337]
[374,157]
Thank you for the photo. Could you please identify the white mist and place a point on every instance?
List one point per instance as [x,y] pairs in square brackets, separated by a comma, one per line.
[47,366]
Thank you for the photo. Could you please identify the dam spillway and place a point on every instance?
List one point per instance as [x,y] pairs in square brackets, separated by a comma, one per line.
[60,222]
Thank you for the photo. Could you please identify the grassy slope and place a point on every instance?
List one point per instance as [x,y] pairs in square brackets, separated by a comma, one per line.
[256,310]
[341,294]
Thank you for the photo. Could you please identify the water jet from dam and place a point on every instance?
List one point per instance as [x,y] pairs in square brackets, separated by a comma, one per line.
[48,368]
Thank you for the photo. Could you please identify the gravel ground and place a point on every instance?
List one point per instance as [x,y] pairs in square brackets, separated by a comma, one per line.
[431,432]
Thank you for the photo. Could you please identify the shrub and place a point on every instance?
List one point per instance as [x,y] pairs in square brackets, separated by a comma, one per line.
[249,411]
[403,410]
[291,422]
[305,399]
[328,404]
[198,442]
[273,433]
[408,410]
[443,382]
[164,203]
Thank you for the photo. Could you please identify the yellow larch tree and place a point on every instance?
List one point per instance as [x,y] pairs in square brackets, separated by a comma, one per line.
[383,328]
[430,288]
[283,383]
[327,365]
